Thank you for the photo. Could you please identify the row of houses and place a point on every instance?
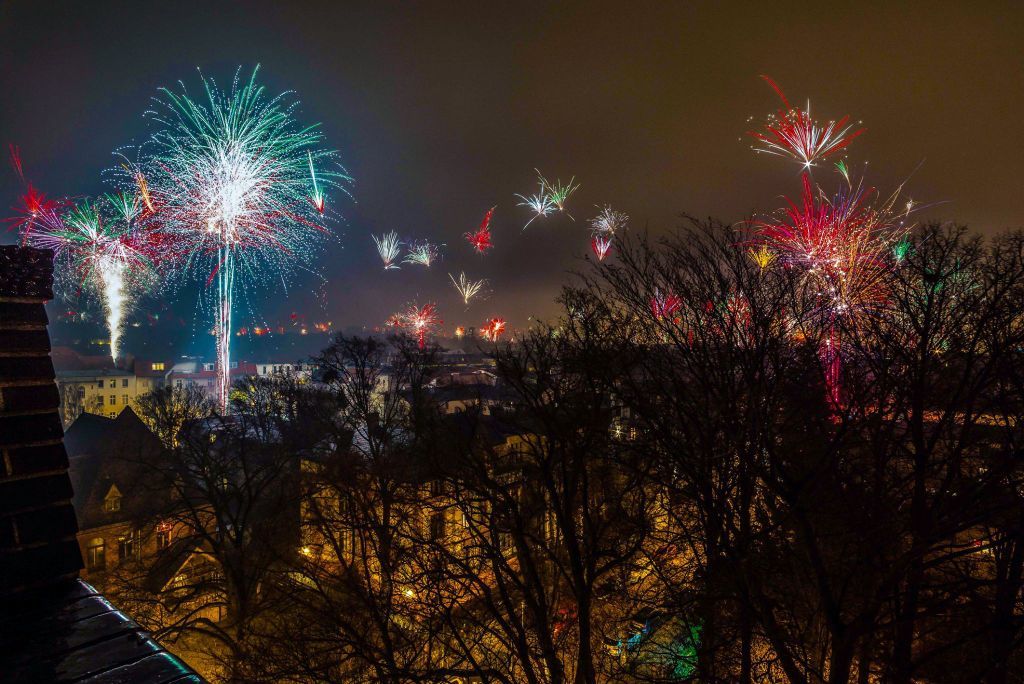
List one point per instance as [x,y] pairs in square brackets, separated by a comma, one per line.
[93,384]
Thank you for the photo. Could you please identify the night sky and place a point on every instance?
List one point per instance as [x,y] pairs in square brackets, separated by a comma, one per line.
[441,110]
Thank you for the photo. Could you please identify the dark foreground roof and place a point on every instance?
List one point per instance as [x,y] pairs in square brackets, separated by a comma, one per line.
[72,634]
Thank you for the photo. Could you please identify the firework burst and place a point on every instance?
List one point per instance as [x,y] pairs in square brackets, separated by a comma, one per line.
[423,253]
[493,329]
[791,132]
[33,205]
[420,321]
[390,248]
[664,305]
[762,255]
[230,174]
[480,239]
[540,204]
[467,288]
[608,221]
[102,251]
[842,244]
[601,245]
[557,193]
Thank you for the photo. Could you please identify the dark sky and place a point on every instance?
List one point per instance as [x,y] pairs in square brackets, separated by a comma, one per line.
[441,110]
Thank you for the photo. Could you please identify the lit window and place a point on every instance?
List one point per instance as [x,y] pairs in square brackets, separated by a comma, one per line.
[437,526]
[127,547]
[112,501]
[95,555]
[158,366]
[163,536]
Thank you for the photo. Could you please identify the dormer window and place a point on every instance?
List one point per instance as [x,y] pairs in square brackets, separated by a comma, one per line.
[112,501]
[158,366]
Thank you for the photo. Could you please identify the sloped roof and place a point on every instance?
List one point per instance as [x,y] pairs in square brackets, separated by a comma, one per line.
[103,452]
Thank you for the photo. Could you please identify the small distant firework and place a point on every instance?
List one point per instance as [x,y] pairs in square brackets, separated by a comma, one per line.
[603,228]
[664,305]
[608,221]
[493,329]
[420,321]
[467,288]
[558,193]
[762,256]
[460,332]
[481,238]
[423,253]
[390,248]
[901,250]
[601,244]
[540,204]
[791,132]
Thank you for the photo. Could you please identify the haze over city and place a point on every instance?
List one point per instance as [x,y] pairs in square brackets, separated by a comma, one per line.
[440,111]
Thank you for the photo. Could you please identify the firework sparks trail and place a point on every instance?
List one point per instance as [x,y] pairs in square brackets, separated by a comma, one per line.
[608,221]
[390,248]
[601,245]
[421,321]
[493,329]
[134,175]
[230,175]
[791,132]
[557,193]
[481,238]
[664,305]
[316,195]
[423,253]
[467,288]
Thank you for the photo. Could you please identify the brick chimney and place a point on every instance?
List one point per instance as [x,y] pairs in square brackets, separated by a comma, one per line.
[37,522]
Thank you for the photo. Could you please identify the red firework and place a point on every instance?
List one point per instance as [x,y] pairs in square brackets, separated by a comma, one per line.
[420,321]
[664,305]
[481,238]
[842,245]
[601,245]
[33,205]
[493,329]
[793,133]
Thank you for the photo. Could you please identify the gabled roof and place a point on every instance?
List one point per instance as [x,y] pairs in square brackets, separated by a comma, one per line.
[169,563]
[105,452]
